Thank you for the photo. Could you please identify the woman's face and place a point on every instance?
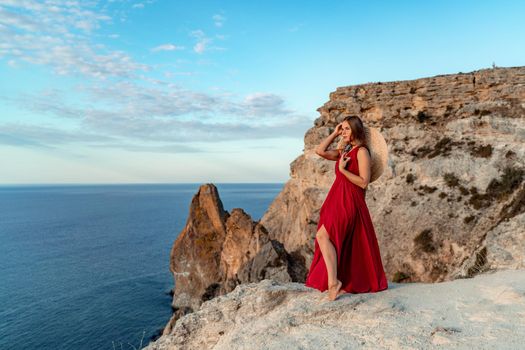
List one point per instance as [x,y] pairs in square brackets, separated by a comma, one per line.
[347,132]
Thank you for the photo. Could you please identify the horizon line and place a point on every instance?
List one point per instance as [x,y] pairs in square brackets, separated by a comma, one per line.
[134,183]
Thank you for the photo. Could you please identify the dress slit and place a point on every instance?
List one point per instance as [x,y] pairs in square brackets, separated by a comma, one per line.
[347,221]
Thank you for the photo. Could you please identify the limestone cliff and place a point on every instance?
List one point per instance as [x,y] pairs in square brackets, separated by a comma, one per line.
[484,312]
[452,202]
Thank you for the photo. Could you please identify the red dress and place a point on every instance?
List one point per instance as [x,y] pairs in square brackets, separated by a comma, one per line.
[346,218]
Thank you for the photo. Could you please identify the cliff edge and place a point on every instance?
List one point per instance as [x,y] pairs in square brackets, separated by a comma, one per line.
[485,312]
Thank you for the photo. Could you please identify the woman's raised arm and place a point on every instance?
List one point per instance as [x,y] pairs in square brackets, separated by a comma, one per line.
[321,148]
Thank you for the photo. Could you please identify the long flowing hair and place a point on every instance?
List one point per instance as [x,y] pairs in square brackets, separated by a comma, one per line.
[358,132]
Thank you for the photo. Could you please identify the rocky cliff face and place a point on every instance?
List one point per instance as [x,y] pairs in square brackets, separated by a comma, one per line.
[452,202]
[474,313]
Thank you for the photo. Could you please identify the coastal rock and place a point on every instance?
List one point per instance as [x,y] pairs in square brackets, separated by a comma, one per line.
[450,203]
[483,312]
[196,255]
[217,250]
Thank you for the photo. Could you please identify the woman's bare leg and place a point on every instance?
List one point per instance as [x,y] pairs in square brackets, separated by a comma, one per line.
[330,259]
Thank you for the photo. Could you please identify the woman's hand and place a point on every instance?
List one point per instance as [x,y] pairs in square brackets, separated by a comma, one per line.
[338,129]
[363,159]
[343,162]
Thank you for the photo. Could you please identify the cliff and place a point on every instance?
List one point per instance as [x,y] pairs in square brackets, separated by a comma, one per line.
[484,312]
[450,205]
[451,202]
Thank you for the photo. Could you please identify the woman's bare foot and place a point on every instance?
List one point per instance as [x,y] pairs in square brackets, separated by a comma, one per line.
[333,290]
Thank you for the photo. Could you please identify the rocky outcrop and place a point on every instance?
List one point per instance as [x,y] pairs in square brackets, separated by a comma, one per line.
[451,203]
[217,250]
[476,313]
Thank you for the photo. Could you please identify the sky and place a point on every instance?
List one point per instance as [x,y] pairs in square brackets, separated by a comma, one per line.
[166,91]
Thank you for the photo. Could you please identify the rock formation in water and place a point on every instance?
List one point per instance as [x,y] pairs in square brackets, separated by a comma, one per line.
[452,202]
[484,312]
[217,250]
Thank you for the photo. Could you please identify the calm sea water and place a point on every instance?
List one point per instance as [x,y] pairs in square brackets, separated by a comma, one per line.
[86,267]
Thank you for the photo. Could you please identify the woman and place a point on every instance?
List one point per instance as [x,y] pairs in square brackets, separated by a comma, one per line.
[346,257]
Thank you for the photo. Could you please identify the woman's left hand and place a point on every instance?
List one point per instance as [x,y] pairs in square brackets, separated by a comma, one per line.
[343,162]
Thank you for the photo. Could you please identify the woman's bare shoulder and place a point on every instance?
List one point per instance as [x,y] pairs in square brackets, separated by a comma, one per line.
[363,151]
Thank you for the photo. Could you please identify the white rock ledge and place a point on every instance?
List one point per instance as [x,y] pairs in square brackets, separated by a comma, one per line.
[484,312]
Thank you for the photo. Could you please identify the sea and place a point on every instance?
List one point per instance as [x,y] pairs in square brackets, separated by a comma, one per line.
[87,266]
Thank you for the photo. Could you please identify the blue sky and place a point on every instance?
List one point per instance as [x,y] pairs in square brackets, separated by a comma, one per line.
[207,91]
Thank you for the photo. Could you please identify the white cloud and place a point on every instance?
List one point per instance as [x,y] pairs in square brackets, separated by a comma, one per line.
[58,36]
[123,105]
[51,138]
[200,47]
[197,34]
[203,42]
[265,104]
[167,47]
[173,114]
[168,74]
[138,6]
[219,20]
[45,136]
